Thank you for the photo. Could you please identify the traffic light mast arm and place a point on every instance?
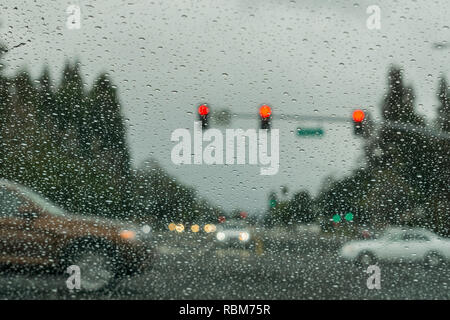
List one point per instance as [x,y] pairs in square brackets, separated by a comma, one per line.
[331,119]
[293,117]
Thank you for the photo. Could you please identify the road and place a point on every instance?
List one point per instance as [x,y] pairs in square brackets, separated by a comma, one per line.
[194,270]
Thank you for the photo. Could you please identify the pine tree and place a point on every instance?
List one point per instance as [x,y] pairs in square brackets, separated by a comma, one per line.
[23,137]
[398,104]
[71,104]
[104,130]
[443,113]
[47,104]
[439,196]
[397,157]
[5,105]
[401,150]
[107,126]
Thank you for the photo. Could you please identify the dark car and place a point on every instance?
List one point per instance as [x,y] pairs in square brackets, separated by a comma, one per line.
[35,232]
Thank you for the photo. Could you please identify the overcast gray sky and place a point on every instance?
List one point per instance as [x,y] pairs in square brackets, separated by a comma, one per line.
[305,57]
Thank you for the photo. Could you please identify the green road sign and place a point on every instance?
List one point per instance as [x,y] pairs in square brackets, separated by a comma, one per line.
[310,132]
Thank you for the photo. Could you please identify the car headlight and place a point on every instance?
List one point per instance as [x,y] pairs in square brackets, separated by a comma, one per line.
[244,236]
[220,236]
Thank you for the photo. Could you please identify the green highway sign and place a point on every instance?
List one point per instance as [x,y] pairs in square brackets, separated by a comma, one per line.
[310,132]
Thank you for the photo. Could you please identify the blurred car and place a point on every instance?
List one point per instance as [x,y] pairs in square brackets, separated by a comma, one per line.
[235,234]
[35,232]
[400,245]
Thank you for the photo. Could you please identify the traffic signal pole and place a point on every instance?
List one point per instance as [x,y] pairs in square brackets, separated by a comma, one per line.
[292,117]
[427,130]
[266,116]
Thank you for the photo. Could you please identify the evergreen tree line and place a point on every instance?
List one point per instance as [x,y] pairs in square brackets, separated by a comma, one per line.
[68,141]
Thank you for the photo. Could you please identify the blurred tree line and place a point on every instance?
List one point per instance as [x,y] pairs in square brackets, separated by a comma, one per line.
[404,179]
[167,200]
[67,140]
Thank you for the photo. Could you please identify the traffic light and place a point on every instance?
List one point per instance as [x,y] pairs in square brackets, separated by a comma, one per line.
[265,113]
[203,112]
[358,121]
[337,218]
[272,200]
[362,123]
[349,216]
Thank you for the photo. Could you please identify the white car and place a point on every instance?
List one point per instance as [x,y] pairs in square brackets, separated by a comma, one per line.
[398,245]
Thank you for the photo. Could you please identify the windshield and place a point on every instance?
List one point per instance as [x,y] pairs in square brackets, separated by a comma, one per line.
[246,148]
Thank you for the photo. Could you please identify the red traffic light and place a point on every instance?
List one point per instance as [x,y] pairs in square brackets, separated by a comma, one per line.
[265,111]
[203,110]
[358,115]
[244,214]
[221,219]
